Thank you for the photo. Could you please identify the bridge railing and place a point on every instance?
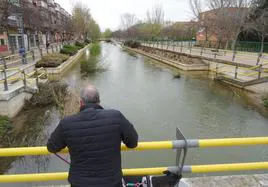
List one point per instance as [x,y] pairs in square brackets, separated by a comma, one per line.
[181,144]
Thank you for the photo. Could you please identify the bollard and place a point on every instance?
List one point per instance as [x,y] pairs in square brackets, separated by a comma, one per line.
[52,48]
[47,50]
[215,55]
[236,69]
[259,75]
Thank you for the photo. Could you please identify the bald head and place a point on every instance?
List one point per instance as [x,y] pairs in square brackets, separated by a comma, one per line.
[90,94]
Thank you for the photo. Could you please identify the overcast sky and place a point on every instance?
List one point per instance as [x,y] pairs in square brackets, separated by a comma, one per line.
[107,12]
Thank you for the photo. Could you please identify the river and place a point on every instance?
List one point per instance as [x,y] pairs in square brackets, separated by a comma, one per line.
[156,103]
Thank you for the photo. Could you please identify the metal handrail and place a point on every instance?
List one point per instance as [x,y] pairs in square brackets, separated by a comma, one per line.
[191,143]
[41,177]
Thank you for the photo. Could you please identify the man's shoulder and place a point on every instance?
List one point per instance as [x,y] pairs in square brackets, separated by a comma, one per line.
[70,118]
[110,112]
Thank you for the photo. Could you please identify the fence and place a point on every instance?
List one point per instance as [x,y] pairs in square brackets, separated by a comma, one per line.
[181,145]
[13,74]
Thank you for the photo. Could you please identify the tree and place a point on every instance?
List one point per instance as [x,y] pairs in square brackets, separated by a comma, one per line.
[258,22]
[81,18]
[127,21]
[107,33]
[93,30]
[155,20]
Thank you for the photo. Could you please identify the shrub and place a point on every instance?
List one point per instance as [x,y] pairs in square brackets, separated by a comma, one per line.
[69,50]
[79,45]
[95,49]
[132,44]
[51,60]
[5,125]
[87,41]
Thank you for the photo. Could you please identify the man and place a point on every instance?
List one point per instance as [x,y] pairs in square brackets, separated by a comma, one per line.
[93,138]
[23,55]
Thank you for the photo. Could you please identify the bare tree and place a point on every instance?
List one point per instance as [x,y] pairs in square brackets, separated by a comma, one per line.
[155,19]
[127,22]
[81,18]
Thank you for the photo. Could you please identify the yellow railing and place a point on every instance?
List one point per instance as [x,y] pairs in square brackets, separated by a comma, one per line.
[176,144]
[141,171]
[202,143]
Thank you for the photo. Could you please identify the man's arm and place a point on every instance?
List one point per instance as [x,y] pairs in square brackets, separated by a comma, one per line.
[56,142]
[129,134]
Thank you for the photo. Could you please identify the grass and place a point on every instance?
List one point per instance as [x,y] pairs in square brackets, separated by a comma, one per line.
[265,101]
[52,60]
[5,125]
[95,49]
[69,50]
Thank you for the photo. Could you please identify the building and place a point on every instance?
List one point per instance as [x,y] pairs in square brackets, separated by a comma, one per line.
[31,23]
[218,25]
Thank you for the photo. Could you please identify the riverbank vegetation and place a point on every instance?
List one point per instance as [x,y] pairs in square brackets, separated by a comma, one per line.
[5,126]
[265,101]
[94,63]
[95,49]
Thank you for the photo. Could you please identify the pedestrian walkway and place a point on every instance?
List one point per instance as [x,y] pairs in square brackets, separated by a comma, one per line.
[242,72]
[246,58]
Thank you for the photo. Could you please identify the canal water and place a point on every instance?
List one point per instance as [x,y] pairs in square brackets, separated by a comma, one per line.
[156,103]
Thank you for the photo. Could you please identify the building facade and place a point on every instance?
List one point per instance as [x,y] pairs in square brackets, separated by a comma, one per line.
[32,23]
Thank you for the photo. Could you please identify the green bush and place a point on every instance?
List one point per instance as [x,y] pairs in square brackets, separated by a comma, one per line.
[69,50]
[132,44]
[87,41]
[80,45]
[52,60]
[5,125]
[95,49]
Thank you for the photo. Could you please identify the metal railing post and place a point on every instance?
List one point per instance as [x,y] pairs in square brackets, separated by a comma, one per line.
[236,69]
[259,74]
[36,74]
[24,78]
[5,74]
[41,52]
[217,69]
[32,51]
[190,47]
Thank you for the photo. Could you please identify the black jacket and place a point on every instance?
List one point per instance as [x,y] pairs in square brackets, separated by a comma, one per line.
[93,138]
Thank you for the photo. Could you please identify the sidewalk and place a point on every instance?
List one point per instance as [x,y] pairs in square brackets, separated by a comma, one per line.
[246,58]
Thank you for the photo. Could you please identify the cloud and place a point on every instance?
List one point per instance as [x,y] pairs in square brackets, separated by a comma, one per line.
[107,13]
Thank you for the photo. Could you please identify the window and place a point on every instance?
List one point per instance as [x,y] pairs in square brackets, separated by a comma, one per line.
[2,42]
